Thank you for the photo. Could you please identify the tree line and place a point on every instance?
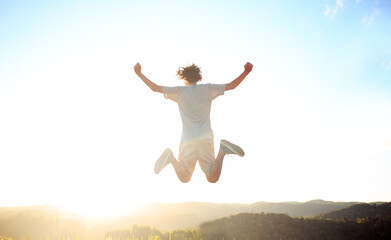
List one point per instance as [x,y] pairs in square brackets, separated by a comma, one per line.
[269,226]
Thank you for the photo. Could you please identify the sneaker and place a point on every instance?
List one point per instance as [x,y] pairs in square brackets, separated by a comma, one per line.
[230,148]
[163,160]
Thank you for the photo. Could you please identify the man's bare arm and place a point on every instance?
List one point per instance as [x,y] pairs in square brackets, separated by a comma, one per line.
[154,87]
[232,85]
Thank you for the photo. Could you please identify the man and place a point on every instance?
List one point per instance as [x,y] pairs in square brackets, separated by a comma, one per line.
[194,101]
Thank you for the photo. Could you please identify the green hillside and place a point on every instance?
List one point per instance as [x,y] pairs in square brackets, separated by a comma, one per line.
[362,210]
[270,226]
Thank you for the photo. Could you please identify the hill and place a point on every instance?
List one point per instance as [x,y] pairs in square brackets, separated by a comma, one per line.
[183,215]
[37,222]
[362,210]
[280,226]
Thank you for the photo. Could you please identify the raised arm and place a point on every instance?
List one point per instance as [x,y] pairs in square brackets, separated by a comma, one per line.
[232,85]
[154,87]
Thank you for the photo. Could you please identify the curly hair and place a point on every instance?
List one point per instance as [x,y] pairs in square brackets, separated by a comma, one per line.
[191,73]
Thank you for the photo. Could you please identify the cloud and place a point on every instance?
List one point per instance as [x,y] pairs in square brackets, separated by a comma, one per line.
[386,65]
[369,20]
[327,11]
[340,3]
[331,13]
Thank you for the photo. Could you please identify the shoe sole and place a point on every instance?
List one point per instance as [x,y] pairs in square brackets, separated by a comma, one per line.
[235,149]
[162,161]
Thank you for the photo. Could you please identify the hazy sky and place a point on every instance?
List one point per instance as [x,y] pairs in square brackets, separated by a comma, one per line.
[79,130]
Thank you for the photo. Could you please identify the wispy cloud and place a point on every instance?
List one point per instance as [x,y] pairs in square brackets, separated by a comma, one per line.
[332,12]
[327,11]
[369,20]
[386,65]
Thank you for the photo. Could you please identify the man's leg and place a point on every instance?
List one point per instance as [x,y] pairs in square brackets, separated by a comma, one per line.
[217,165]
[183,172]
[215,169]
[183,175]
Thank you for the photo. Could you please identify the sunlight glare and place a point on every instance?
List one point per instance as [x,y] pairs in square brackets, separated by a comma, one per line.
[101,208]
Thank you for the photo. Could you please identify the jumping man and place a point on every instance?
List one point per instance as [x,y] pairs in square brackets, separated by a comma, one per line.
[197,144]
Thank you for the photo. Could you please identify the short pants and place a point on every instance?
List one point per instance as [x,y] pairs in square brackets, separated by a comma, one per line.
[201,150]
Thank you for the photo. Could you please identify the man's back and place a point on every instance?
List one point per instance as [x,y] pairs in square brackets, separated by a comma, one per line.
[194,104]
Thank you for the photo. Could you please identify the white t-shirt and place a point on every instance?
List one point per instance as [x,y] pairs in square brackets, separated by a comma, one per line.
[194,104]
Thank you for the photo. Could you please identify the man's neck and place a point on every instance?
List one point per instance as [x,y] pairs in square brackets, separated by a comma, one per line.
[190,84]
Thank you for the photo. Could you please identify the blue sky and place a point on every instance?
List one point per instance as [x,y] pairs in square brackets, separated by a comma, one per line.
[79,130]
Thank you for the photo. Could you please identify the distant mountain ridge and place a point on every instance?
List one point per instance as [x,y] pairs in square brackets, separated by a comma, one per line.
[215,210]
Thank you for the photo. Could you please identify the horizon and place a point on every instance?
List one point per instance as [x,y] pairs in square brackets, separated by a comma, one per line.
[142,210]
[79,130]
